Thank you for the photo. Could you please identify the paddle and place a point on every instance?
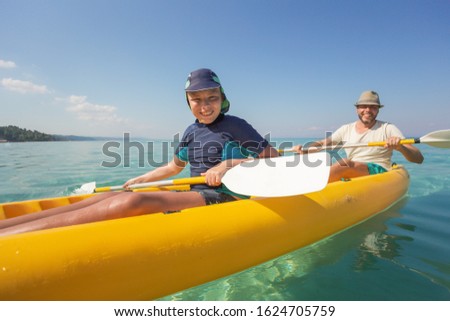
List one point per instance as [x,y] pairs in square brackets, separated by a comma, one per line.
[267,177]
[89,188]
[440,139]
[280,176]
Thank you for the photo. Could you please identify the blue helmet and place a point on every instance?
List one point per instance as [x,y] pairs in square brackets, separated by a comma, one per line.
[203,79]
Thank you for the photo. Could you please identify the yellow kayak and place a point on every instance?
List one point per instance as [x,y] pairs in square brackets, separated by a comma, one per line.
[150,256]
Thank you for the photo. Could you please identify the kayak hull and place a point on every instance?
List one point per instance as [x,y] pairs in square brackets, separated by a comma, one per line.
[150,256]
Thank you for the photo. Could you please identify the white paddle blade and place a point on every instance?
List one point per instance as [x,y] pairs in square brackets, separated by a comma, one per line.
[440,138]
[87,188]
[280,176]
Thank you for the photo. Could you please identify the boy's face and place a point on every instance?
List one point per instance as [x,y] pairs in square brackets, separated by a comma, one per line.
[205,104]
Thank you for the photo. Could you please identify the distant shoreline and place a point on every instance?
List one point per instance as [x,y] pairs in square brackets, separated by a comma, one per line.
[14,134]
[88,139]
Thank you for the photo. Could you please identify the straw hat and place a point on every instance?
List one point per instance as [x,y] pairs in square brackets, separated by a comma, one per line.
[369,98]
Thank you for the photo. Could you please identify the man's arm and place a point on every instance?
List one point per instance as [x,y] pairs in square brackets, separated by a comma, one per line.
[410,152]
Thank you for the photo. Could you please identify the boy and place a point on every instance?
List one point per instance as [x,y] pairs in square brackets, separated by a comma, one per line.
[212,145]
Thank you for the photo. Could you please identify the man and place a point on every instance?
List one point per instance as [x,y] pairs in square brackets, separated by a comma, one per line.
[362,161]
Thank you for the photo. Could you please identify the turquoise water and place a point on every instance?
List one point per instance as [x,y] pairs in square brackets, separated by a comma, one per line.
[400,254]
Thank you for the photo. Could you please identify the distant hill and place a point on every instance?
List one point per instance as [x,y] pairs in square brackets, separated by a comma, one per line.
[76,138]
[15,134]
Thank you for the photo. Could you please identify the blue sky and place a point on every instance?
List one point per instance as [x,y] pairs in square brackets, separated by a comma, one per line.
[292,68]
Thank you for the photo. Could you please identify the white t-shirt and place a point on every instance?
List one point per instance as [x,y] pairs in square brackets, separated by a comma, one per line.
[379,132]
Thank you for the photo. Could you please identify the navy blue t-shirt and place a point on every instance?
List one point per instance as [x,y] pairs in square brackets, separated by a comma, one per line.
[205,146]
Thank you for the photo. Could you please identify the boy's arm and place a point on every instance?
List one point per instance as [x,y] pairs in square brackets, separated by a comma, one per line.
[269,151]
[174,167]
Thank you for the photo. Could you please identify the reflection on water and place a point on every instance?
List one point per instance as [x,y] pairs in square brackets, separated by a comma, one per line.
[378,245]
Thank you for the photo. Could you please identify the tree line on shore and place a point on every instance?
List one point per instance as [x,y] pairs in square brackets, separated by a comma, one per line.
[16,134]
